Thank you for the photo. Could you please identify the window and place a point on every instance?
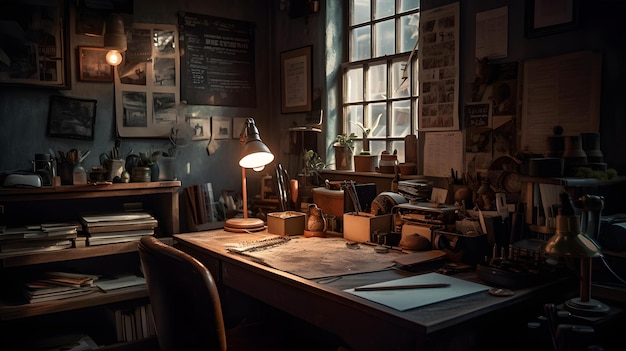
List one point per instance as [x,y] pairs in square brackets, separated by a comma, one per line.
[380,75]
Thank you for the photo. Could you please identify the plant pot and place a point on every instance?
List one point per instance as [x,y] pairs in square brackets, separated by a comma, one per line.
[365,163]
[343,158]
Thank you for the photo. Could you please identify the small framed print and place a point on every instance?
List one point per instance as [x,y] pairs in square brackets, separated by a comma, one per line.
[71,117]
[221,127]
[92,65]
[545,17]
[295,68]
[201,128]
[238,123]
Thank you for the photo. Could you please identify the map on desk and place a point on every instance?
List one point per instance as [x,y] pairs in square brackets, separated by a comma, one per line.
[313,258]
[406,299]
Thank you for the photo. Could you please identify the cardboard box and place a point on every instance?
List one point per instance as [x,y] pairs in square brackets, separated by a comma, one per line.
[286,223]
[360,227]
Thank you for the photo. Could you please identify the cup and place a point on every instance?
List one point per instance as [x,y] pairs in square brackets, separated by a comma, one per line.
[114,168]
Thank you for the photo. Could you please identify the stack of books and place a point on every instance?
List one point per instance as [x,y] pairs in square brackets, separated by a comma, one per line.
[109,228]
[37,238]
[58,286]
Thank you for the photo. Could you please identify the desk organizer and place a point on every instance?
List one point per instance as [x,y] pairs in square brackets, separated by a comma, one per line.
[361,227]
[285,223]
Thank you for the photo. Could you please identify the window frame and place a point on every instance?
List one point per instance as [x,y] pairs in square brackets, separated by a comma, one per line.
[391,143]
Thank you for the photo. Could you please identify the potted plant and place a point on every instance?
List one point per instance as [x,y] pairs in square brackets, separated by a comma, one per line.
[344,150]
[313,164]
[364,161]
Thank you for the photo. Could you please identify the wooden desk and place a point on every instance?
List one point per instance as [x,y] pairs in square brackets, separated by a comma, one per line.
[360,323]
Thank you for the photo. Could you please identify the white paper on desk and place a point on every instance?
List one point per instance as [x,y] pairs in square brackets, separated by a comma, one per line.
[403,300]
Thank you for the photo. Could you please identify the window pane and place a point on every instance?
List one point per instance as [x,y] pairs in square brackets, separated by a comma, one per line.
[360,11]
[377,82]
[384,8]
[377,147]
[355,115]
[406,5]
[354,85]
[400,118]
[400,79]
[361,44]
[415,119]
[385,35]
[409,32]
[373,111]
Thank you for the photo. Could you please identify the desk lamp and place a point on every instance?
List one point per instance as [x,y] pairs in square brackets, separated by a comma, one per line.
[255,155]
[114,39]
[569,241]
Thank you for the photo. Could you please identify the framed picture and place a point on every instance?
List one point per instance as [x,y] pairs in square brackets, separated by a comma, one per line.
[92,65]
[238,123]
[220,127]
[545,17]
[71,117]
[295,69]
[201,127]
[35,44]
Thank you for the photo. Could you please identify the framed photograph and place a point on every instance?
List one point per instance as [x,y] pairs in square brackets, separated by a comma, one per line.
[545,17]
[71,117]
[238,123]
[201,128]
[92,65]
[295,69]
[220,127]
[35,45]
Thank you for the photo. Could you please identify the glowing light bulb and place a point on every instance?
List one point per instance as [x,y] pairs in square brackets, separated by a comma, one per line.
[114,57]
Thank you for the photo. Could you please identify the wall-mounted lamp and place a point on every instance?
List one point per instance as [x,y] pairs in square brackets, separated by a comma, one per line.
[255,155]
[114,39]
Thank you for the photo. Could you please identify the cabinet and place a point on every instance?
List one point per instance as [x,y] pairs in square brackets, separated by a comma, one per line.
[89,313]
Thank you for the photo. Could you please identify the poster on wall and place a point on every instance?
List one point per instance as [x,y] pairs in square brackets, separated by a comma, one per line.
[439,68]
[147,82]
[218,61]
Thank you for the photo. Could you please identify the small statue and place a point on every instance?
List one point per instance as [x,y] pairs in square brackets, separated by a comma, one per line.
[316,222]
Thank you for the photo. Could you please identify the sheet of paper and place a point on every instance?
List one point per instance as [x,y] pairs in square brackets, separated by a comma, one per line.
[443,151]
[492,32]
[406,299]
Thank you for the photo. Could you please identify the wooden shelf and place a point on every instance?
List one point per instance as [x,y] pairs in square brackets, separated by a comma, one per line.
[10,312]
[72,254]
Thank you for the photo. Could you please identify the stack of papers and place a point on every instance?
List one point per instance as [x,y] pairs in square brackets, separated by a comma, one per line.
[59,285]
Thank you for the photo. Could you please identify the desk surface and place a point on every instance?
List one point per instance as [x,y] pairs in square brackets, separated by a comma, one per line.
[362,324]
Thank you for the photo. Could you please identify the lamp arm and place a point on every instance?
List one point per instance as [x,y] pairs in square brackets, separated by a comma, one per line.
[244,195]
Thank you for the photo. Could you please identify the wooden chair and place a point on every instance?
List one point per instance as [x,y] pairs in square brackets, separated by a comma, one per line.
[184,297]
[187,308]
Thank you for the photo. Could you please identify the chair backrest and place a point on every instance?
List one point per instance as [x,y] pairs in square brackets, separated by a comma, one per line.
[184,298]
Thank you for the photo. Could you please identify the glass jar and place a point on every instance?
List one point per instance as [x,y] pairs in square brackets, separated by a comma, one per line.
[79,176]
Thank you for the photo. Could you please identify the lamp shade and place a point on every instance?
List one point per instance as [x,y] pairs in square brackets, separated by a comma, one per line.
[254,153]
[568,240]
[115,36]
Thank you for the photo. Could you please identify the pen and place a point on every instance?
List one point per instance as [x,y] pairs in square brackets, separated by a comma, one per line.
[402,287]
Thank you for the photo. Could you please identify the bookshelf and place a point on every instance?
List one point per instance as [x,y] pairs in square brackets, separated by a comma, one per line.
[63,203]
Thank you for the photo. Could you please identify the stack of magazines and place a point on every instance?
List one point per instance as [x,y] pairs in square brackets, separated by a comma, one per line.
[109,228]
[37,238]
[59,285]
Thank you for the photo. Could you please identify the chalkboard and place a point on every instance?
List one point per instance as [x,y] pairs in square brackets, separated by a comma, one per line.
[218,61]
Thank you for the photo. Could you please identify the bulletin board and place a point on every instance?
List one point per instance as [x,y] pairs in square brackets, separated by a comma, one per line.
[147,82]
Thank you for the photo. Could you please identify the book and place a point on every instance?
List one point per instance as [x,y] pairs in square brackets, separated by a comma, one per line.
[120,226]
[90,219]
[113,240]
[74,292]
[116,234]
[21,248]
[120,282]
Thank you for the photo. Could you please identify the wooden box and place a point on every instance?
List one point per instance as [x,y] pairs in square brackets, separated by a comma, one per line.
[286,223]
[360,227]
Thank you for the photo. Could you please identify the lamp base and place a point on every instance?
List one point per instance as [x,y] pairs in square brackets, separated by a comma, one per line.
[586,308]
[244,225]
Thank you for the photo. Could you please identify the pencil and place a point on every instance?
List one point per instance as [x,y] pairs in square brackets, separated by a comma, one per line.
[402,287]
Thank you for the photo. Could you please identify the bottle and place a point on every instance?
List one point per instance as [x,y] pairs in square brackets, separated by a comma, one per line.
[394,182]
[79,176]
